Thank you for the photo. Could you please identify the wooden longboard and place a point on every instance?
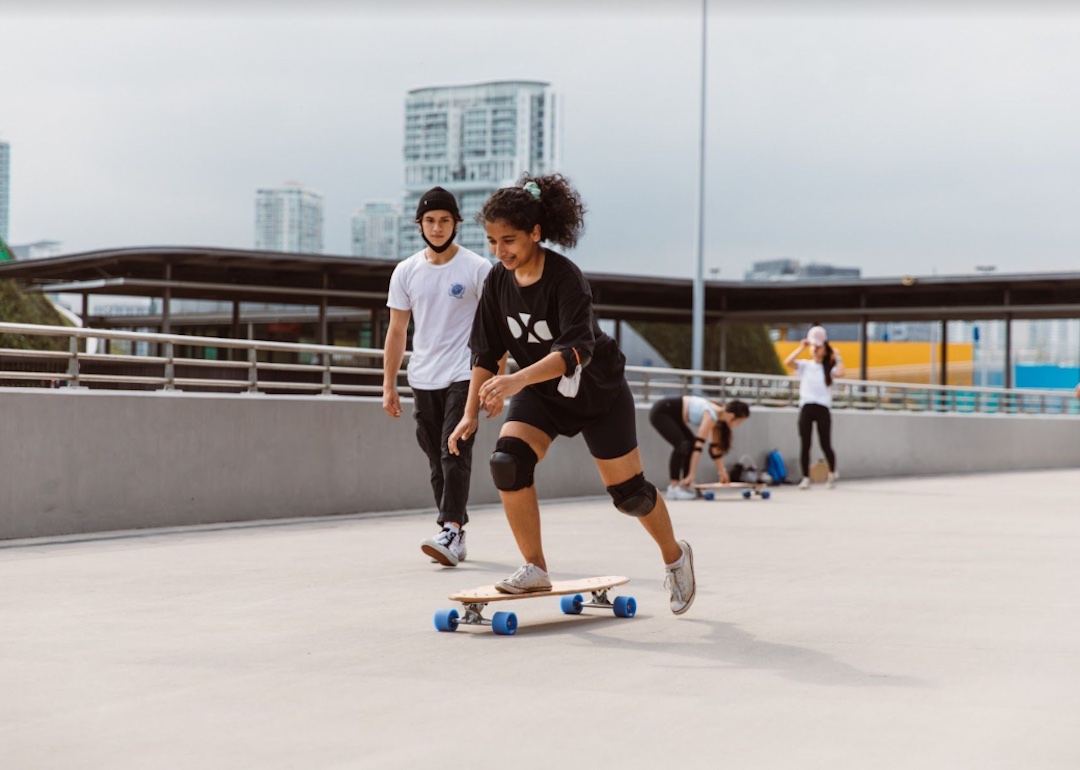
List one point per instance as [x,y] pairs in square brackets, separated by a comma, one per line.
[746,488]
[474,600]
[731,485]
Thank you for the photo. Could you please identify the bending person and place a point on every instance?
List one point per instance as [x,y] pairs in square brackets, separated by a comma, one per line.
[815,398]
[688,423]
[537,305]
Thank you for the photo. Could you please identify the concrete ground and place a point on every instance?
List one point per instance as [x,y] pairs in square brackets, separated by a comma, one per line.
[917,623]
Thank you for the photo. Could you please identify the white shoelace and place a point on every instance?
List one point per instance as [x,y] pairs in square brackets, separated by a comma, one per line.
[671,583]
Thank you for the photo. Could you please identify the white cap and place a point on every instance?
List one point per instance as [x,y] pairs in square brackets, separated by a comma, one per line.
[817,335]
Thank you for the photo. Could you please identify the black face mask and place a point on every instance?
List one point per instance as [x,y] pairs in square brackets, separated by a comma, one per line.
[433,247]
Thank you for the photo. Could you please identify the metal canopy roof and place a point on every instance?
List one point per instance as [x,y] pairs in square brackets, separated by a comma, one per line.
[230,275]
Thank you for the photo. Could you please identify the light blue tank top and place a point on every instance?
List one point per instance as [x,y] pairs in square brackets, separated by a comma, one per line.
[696,408]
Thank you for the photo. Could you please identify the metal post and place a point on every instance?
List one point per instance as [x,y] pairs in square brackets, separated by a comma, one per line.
[698,336]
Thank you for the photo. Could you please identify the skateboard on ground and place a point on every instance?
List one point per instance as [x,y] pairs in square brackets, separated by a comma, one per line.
[745,488]
[474,600]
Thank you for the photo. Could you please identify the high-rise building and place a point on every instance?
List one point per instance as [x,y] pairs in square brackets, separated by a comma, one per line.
[289,218]
[792,270]
[5,188]
[472,140]
[37,250]
[376,227]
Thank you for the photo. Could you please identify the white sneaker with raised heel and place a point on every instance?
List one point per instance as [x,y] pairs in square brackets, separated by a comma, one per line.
[680,581]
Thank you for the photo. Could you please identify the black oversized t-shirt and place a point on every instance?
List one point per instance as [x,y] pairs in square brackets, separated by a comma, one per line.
[553,314]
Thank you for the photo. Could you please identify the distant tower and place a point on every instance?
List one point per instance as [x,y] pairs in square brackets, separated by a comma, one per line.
[376,227]
[5,188]
[472,140]
[289,218]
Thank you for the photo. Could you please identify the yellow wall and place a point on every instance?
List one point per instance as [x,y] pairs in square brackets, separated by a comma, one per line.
[900,361]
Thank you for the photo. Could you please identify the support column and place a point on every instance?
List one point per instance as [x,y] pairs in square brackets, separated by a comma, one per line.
[236,354]
[864,348]
[322,309]
[944,376]
[723,345]
[1008,382]
[166,302]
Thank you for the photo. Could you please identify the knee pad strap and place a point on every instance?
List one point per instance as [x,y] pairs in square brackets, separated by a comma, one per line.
[512,464]
[634,497]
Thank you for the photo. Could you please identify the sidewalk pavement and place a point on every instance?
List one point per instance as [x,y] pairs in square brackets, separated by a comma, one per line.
[915,623]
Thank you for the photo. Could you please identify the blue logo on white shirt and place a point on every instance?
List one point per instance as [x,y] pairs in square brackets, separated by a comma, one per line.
[457,290]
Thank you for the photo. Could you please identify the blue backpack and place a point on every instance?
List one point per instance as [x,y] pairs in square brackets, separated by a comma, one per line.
[774,466]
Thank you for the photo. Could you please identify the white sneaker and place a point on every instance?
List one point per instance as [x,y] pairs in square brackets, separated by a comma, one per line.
[677,492]
[805,483]
[831,481]
[447,547]
[526,580]
[680,581]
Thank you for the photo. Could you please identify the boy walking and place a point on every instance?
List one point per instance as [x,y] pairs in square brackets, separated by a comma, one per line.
[439,289]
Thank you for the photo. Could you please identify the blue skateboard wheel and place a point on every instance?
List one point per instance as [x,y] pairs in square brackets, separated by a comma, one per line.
[746,494]
[446,620]
[571,605]
[765,494]
[624,607]
[709,495]
[504,623]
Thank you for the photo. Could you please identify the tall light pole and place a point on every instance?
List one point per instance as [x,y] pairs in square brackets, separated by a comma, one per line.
[698,335]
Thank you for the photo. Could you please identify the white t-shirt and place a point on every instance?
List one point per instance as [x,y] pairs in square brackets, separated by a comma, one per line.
[812,387]
[443,301]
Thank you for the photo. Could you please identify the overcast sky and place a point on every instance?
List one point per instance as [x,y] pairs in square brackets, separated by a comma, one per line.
[897,138]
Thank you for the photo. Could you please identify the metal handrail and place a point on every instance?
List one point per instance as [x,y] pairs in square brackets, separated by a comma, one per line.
[648,383]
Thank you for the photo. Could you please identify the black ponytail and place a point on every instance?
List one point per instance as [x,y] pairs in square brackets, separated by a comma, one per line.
[827,363]
[558,209]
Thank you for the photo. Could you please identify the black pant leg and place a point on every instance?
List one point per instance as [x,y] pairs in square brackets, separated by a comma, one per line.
[806,430]
[456,469]
[428,414]
[824,431]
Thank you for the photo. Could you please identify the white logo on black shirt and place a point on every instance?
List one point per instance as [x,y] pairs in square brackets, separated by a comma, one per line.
[536,331]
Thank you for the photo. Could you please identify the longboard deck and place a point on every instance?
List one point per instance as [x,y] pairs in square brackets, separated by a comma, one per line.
[474,600]
[485,594]
[731,485]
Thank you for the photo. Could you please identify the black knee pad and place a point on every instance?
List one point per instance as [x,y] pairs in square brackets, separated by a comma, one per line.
[635,496]
[512,464]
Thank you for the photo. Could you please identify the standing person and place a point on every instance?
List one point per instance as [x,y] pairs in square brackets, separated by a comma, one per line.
[439,288]
[538,306]
[688,423]
[815,398]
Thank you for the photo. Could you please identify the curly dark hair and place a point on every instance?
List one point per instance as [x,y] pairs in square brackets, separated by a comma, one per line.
[559,210]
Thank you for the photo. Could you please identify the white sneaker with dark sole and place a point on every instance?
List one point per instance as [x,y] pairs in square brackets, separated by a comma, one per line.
[447,547]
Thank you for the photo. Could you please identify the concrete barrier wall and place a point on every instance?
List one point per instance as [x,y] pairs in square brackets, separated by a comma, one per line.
[78,461]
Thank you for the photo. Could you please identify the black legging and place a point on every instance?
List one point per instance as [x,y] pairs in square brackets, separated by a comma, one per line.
[666,417]
[808,415]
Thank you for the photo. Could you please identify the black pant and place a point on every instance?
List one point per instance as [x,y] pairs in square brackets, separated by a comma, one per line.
[437,413]
[666,417]
[808,415]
